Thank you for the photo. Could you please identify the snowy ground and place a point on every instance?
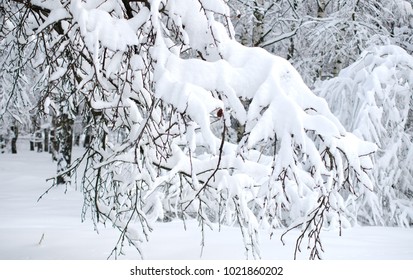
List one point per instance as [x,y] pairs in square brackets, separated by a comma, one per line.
[56,221]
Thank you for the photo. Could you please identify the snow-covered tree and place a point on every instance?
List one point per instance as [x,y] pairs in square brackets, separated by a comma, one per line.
[269,24]
[373,99]
[321,37]
[402,19]
[166,87]
[15,103]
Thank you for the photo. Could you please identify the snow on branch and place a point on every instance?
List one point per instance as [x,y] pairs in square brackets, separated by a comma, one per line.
[373,99]
[187,123]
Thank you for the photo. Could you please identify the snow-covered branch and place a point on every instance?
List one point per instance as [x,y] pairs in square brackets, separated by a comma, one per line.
[188,123]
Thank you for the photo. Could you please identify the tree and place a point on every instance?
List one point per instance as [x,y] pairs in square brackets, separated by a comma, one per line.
[15,104]
[373,99]
[321,37]
[162,82]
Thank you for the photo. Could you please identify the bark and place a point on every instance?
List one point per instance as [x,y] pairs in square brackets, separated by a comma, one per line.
[15,130]
[64,135]
[321,8]
[409,123]
[291,49]
[88,138]
[54,144]
[258,29]
[34,128]
[2,144]
[46,140]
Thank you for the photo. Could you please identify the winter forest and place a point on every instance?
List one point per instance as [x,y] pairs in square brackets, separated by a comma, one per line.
[255,114]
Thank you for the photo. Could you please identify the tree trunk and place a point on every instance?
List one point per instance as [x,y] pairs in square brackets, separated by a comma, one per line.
[64,134]
[2,144]
[321,8]
[258,29]
[88,138]
[409,123]
[46,140]
[54,144]
[33,130]
[15,130]
[291,49]
[39,144]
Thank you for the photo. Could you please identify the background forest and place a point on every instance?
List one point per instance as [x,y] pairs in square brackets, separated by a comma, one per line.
[292,114]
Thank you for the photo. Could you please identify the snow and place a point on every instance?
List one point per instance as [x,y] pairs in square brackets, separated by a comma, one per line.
[55,16]
[405,8]
[98,25]
[186,68]
[371,98]
[52,227]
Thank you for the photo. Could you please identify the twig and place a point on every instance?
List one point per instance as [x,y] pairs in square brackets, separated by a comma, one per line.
[41,239]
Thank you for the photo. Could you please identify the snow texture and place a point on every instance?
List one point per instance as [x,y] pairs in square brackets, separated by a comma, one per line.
[189,124]
[51,229]
[373,99]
